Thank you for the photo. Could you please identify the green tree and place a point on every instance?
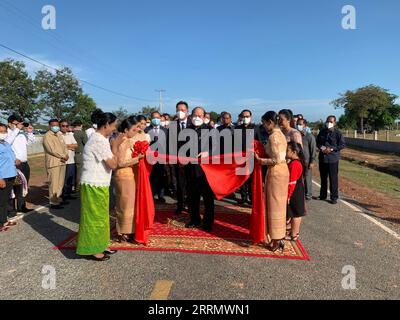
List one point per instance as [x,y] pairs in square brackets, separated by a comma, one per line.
[17,91]
[371,105]
[83,109]
[58,92]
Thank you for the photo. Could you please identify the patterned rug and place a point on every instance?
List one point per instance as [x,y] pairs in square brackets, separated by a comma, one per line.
[230,236]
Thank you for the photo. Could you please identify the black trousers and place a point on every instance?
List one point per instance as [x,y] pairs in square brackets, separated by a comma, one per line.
[157,180]
[199,187]
[69,181]
[331,171]
[4,197]
[19,203]
[182,194]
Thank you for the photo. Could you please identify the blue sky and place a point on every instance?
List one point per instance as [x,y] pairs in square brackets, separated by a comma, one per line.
[224,55]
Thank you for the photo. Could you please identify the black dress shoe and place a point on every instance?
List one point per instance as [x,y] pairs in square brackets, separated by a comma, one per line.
[192,225]
[334,201]
[207,228]
[162,200]
[24,210]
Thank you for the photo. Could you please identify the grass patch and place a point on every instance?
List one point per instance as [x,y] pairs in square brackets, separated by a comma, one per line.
[370,178]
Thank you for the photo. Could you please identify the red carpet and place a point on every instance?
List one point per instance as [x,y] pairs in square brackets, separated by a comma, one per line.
[230,236]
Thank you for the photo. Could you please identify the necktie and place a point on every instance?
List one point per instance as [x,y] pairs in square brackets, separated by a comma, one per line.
[183,126]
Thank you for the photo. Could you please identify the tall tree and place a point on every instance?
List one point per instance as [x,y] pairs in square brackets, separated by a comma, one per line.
[58,92]
[371,102]
[17,91]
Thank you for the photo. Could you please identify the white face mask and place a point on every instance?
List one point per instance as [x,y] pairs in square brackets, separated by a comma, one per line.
[95,126]
[181,115]
[206,121]
[247,121]
[197,121]
[3,136]
[162,123]
[329,125]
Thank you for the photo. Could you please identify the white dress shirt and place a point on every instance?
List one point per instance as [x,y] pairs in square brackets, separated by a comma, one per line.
[20,141]
[69,139]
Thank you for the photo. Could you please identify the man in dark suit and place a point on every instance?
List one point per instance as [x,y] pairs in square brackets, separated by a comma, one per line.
[181,172]
[197,184]
[249,132]
[158,134]
[330,142]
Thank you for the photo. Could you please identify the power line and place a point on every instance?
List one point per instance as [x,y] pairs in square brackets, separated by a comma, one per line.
[83,81]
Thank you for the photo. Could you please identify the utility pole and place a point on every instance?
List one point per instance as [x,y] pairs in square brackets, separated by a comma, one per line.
[161,91]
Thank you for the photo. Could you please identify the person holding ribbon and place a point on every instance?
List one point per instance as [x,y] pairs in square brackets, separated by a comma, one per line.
[125,177]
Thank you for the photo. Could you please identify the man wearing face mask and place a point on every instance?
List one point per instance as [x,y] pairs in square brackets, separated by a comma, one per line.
[248,128]
[310,154]
[330,142]
[198,185]
[20,143]
[158,134]
[181,173]
[56,157]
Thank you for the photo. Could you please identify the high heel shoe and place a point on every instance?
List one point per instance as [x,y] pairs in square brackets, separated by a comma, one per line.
[280,244]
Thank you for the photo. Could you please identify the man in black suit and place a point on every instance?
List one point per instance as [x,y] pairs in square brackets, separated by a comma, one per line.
[181,172]
[197,184]
[158,134]
[249,132]
[330,142]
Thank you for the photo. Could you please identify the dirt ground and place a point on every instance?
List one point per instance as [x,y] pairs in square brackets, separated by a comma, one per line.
[384,162]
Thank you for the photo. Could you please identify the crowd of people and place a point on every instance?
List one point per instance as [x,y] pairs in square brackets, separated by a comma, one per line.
[98,165]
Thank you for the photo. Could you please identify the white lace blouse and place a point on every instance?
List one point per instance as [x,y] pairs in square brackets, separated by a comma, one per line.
[95,172]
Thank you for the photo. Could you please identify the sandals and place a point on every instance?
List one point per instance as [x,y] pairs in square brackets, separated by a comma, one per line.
[4,229]
[102,259]
[10,224]
[293,238]
[122,238]
[110,252]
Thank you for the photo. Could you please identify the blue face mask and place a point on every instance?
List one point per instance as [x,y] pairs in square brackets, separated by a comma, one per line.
[55,129]
[300,128]
[156,122]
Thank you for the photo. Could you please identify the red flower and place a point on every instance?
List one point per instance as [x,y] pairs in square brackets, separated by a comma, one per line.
[140,148]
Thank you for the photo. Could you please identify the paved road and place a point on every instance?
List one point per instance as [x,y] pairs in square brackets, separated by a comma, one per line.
[334,236]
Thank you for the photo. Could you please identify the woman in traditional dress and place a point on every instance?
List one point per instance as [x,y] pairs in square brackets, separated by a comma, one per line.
[98,163]
[286,123]
[276,185]
[125,178]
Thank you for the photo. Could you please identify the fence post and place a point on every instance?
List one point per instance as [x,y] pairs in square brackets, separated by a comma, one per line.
[387,135]
[365,134]
[376,135]
[355,134]
[347,133]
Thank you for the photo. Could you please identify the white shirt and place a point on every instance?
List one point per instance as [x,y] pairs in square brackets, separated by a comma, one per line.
[69,139]
[90,131]
[20,141]
[95,172]
[183,121]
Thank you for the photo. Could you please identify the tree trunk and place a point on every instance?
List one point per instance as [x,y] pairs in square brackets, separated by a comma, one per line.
[362,124]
